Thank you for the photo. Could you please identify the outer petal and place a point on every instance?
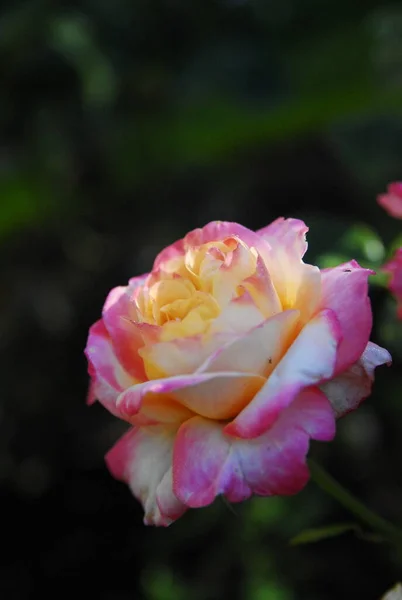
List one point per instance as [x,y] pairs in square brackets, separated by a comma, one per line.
[286,232]
[392,200]
[170,253]
[212,395]
[137,281]
[309,361]
[350,388]
[206,462]
[108,376]
[143,459]
[159,409]
[345,291]
[91,395]
[306,295]
[298,284]
[119,315]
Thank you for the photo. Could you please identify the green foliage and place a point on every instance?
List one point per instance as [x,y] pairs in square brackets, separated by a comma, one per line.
[72,37]
[160,584]
[363,244]
[115,78]
[24,200]
[317,534]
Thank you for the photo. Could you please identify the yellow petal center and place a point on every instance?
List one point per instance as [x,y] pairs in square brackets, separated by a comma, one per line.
[191,291]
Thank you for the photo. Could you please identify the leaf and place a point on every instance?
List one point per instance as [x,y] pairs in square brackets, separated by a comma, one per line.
[25,199]
[330,259]
[73,37]
[317,534]
[395,244]
[364,241]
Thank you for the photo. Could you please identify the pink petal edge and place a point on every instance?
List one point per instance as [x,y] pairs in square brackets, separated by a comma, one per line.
[350,388]
[392,200]
[345,291]
[207,462]
[142,458]
[309,361]
[108,378]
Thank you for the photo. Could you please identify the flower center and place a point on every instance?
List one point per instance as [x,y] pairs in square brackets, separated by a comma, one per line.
[194,288]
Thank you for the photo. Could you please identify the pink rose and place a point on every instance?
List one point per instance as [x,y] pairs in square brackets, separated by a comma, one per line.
[226,360]
[394,267]
[392,200]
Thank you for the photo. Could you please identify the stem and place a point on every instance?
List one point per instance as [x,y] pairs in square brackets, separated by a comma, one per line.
[327,483]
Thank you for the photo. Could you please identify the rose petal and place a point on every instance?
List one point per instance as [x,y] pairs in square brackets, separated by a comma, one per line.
[206,462]
[219,230]
[119,316]
[392,200]
[350,388]
[181,356]
[108,377]
[239,316]
[168,254]
[310,360]
[257,351]
[142,458]
[212,232]
[262,290]
[186,355]
[298,284]
[212,395]
[345,291]
[261,345]
[394,267]
[227,279]
[91,395]
[286,232]
[159,409]
[138,281]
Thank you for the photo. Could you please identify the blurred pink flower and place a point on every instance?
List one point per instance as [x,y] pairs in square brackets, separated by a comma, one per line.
[226,360]
[392,200]
[394,268]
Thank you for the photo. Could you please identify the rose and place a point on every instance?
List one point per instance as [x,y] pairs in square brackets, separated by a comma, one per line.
[392,203]
[226,360]
[394,268]
[392,200]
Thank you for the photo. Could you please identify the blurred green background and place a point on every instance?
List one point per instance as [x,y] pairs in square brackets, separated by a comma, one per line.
[123,125]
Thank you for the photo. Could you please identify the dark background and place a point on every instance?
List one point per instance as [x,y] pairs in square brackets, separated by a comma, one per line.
[123,125]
